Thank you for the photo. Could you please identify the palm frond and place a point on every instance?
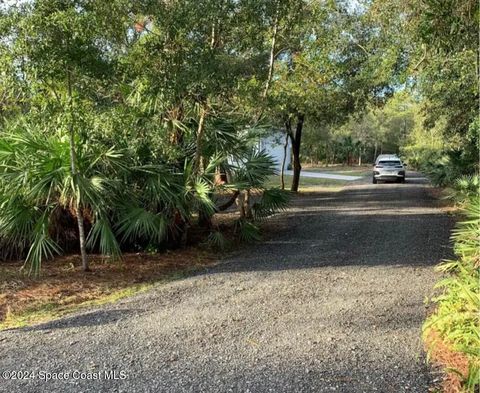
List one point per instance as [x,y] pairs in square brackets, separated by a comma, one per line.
[254,169]
[139,223]
[42,247]
[272,201]
[103,235]
[247,231]
[217,240]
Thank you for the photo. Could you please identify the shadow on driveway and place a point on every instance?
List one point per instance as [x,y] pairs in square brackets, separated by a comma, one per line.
[363,225]
[94,318]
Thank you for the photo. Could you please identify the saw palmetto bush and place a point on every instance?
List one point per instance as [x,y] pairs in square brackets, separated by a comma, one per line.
[127,203]
[123,203]
[114,128]
[456,320]
[464,189]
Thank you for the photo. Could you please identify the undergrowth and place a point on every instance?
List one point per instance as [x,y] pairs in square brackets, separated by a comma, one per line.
[452,333]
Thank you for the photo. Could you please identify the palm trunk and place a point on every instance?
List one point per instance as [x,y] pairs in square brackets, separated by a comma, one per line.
[73,167]
[248,207]
[241,204]
[82,240]
[198,147]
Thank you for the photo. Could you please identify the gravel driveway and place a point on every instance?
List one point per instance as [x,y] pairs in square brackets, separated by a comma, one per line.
[334,301]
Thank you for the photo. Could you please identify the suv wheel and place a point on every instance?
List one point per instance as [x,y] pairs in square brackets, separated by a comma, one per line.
[374,181]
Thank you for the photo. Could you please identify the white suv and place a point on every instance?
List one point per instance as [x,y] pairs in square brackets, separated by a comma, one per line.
[389,167]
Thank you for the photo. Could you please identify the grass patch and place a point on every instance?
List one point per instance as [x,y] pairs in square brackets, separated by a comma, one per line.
[63,288]
[314,184]
[44,312]
[342,170]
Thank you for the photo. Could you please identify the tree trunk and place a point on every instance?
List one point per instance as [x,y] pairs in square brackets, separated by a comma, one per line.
[296,142]
[272,55]
[282,174]
[73,168]
[375,152]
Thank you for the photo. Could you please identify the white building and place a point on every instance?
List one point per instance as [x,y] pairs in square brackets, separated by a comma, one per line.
[274,145]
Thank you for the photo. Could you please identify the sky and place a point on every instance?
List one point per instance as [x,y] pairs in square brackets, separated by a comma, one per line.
[352,4]
[8,3]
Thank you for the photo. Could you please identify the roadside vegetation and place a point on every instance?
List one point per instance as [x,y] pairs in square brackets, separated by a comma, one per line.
[452,332]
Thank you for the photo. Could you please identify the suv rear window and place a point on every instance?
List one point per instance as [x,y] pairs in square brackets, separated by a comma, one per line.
[389,163]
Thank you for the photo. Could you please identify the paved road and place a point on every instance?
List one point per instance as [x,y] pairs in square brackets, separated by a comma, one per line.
[332,302]
[325,175]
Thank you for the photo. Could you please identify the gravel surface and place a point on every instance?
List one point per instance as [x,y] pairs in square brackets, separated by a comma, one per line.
[334,301]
